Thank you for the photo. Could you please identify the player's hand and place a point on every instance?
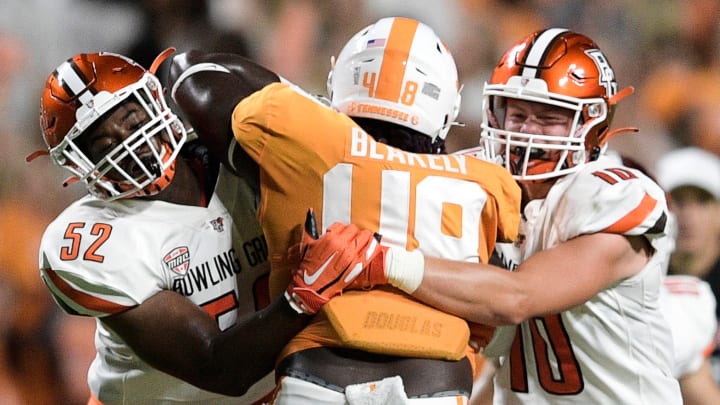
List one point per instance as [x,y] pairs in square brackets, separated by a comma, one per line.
[329,264]
[398,267]
[309,233]
[375,273]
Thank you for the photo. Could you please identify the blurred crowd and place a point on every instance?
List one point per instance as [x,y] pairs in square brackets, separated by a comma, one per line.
[668,49]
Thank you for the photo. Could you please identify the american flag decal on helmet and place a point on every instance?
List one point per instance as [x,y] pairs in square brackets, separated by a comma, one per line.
[375,43]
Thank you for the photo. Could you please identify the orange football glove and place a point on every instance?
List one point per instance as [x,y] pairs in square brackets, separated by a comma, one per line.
[310,233]
[374,274]
[329,264]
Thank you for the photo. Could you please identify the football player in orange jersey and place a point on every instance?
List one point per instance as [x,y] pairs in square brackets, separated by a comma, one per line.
[594,239]
[398,81]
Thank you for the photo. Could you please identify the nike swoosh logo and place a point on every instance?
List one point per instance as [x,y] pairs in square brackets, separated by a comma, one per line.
[310,280]
[369,252]
[354,273]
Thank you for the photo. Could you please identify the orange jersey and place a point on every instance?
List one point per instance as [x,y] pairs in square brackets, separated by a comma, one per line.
[310,156]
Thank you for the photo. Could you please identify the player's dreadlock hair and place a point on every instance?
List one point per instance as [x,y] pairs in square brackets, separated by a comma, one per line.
[401,137]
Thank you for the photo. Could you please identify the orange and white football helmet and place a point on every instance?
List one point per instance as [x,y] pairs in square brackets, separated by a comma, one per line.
[397,70]
[84,88]
[561,68]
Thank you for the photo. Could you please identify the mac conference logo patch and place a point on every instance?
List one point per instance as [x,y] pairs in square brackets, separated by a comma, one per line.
[178,260]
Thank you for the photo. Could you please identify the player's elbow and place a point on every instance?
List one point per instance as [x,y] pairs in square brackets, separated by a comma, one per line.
[512,308]
[215,375]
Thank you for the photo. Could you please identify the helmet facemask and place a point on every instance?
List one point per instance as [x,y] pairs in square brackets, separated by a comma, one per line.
[540,156]
[558,68]
[144,163]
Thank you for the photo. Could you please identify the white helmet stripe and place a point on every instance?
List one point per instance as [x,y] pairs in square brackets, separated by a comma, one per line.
[538,49]
[72,81]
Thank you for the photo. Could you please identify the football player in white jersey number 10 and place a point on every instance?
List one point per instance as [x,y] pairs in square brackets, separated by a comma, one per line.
[165,252]
[592,243]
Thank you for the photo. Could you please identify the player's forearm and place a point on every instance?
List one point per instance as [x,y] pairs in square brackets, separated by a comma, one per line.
[480,293]
[247,352]
[477,292]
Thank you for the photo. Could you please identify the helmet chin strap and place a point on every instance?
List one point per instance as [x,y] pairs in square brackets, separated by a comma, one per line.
[617,131]
[604,138]
[538,168]
[625,92]
[163,180]
[34,155]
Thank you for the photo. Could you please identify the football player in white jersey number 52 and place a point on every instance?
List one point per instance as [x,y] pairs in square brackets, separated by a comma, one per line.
[165,251]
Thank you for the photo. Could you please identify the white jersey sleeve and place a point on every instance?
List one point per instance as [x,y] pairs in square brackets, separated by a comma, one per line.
[608,198]
[101,258]
[689,307]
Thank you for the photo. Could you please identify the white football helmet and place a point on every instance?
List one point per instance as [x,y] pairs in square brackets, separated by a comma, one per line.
[80,92]
[397,70]
[564,69]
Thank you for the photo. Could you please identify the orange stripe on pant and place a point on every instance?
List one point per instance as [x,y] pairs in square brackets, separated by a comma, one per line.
[397,50]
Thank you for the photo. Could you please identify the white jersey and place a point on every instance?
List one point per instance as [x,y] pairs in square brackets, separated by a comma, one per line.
[689,306]
[615,348]
[100,258]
